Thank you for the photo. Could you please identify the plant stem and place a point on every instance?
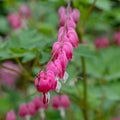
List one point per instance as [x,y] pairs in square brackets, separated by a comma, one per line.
[8,68]
[81,33]
[85,108]
[25,72]
[87,15]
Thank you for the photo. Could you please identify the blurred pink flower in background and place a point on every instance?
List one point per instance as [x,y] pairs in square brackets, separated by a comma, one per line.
[23,110]
[15,20]
[117,38]
[25,11]
[11,115]
[38,102]
[115,118]
[101,42]
[7,76]
[56,102]
[61,101]
[27,110]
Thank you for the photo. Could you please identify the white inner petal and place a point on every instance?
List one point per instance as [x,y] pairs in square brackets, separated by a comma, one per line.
[47,96]
[62,112]
[28,117]
[58,87]
[66,75]
[42,114]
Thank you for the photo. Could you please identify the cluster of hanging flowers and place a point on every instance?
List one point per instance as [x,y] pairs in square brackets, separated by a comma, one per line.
[103,42]
[61,103]
[47,80]
[62,52]
[28,110]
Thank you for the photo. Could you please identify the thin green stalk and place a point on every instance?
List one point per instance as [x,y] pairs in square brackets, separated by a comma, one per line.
[86,17]
[85,108]
[8,68]
[25,72]
[81,33]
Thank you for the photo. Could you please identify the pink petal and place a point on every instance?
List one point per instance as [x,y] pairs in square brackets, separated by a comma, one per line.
[64,101]
[11,115]
[76,15]
[23,110]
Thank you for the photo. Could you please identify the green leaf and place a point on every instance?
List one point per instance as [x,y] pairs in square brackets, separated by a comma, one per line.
[102,4]
[4,27]
[84,50]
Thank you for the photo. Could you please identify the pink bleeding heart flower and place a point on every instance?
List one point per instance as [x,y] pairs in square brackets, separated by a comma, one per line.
[42,74]
[62,52]
[23,110]
[56,102]
[64,101]
[71,23]
[61,101]
[73,38]
[61,10]
[117,38]
[59,67]
[60,34]
[62,15]
[45,83]
[42,85]
[11,115]
[61,29]
[62,19]
[101,42]
[56,48]
[52,67]
[76,15]
[52,79]
[37,103]
[68,49]
[63,60]
[15,20]
[25,11]
[31,108]
[42,104]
